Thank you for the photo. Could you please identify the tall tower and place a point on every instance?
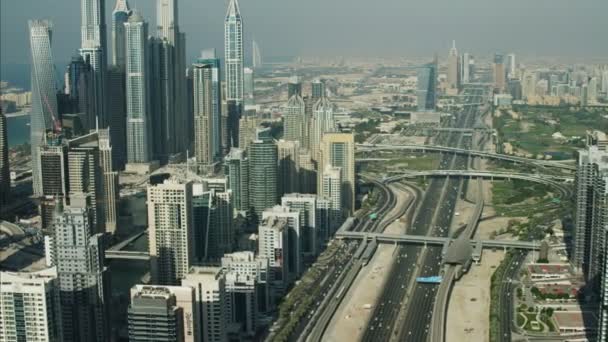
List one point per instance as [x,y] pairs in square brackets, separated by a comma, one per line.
[295,119]
[322,122]
[120,15]
[338,150]
[499,71]
[138,97]
[5,180]
[172,87]
[237,166]
[78,254]
[93,49]
[453,81]
[170,231]
[207,109]
[44,94]
[263,160]
[233,55]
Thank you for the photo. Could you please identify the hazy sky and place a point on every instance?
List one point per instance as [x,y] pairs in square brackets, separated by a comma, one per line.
[573,28]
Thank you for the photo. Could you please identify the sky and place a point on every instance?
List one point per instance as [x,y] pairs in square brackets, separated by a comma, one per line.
[360,28]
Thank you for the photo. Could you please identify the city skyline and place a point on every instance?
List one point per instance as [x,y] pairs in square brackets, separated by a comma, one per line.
[450,16]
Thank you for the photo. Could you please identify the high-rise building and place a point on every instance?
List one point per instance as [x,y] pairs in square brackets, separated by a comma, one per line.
[30,307]
[295,236]
[318,90]
[53,161]
[139,127]
[591,172]
[170,230]
[213,226]
[171,89]
[256,54]
[246,289]
[5,177]
[207,107]
[209,287]
[592,90]
[163,314]
[263,161]
[511,66]
[249,85]
[237,164]
[323,122]
[315,227]
[273,245]
[120,15]
[331,188]
[294,120]
[44,99]
[338,150]
[307,173]
[464,68]
[233,52]
[294,86]
[248,126]
[288,166]
[93,49]
[117,107]
[111,193]
[499,73]
[426,87]
[528,86]
[78,254]
[453,74]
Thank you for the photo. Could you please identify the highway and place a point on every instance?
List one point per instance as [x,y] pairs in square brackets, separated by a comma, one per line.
[506,295]
[405,308]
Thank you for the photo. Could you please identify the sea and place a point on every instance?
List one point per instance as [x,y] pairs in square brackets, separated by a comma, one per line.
[18,130]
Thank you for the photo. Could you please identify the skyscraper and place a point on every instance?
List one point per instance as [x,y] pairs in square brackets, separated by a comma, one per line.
[322,122]
[93,49]
[163,314]
[426,87]
[315,225]
[453,74]
[207,107]
[295,236]
[213,226]
[294,120]
[263,159]
[209,287]
[330,186]
[111,193]
[44,99]
[272,245]
[237,164]
[5,179]
[170,231]
[249,85]
[139,142]
[294,86]
[499,71]
[171,89]
[78,254]
[511,65]
[256,54]
[318,89]
[118,115]
[464,68]
[33,293]
[592,170]
[233,55]
[288,166]
[338,150]
[120,15]
[233,52]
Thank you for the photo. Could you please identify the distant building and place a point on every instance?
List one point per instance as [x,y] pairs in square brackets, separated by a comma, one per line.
[294,119]
[117,89]
[233,50]
[170,231]
[331,188]
[323,122]
[453,70]
[294,87]
[120,15]
[426,87]
[256,54]
[30,306]
[499,72]
[249,85]
[207,110]
[163,314]
[237,165]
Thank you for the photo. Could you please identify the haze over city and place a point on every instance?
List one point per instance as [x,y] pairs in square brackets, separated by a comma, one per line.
[303,171]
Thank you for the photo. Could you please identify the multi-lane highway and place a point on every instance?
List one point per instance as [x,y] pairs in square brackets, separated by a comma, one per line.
[405,307]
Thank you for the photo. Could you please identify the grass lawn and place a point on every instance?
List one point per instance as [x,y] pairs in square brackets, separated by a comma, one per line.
[518,191]
[533,132]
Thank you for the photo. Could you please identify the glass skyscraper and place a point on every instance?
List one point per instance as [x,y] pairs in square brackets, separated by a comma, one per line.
[44,93]
[120,15]
[233,35]
[427,78]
